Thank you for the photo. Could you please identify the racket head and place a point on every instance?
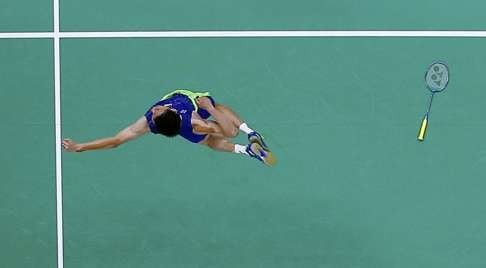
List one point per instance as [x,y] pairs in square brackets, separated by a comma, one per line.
[437,76]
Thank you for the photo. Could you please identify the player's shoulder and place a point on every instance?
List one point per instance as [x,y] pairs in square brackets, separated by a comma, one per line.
[141,125]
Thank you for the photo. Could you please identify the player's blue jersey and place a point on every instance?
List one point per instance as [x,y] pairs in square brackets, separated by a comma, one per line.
[184,107]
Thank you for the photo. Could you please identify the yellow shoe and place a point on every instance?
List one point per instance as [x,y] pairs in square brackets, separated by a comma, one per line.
[255,150]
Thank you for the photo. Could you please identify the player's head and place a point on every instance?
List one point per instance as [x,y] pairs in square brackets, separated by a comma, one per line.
[167,121]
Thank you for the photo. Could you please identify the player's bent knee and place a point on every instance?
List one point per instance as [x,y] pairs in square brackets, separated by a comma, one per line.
[219,106]
[235,132]
[231,132]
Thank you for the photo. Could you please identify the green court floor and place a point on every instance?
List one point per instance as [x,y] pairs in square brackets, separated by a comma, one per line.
[27,185]
[112,15]
[25,15]
[353,187]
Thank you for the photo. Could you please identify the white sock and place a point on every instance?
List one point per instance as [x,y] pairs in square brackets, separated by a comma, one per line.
[244,127]
[240,149]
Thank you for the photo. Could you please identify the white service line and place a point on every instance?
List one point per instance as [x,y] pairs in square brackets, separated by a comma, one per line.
[57,111]
[209,34]
[182,34]
[33,35]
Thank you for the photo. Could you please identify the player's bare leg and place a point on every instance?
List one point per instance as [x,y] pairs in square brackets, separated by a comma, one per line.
[253,136]
[232,116]
[227,124]
[217,141]
[220,143]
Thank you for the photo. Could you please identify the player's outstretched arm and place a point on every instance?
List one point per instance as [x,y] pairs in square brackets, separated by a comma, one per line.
[133,131]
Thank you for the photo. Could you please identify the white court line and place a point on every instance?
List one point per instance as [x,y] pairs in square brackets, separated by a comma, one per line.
[33,35]
[57,111]
[274,34]
[207,34]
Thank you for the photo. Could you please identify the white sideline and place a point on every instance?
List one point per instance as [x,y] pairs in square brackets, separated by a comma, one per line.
[57,112]
[207,34]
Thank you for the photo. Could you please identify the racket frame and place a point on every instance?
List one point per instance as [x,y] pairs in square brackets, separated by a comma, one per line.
[425,120]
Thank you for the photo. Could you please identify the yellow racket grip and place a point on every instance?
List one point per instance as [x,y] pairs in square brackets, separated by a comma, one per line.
[423,128]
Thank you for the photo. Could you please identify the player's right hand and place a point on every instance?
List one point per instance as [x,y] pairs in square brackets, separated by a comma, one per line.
[70,145]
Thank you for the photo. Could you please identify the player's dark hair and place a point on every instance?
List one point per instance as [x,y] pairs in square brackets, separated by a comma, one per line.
[168,123]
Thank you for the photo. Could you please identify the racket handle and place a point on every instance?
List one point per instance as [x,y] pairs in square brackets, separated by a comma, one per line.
[423,128]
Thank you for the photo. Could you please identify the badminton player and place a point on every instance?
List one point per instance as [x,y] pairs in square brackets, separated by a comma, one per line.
[185,113]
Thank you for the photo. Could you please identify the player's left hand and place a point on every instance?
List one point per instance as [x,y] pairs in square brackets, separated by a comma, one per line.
[204,103]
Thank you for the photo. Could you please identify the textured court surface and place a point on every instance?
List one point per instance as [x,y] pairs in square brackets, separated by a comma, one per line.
[25,15]
[353,187]
[27,192]
[273,15]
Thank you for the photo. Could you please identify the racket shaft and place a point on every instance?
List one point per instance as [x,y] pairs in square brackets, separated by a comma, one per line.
[423,129]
